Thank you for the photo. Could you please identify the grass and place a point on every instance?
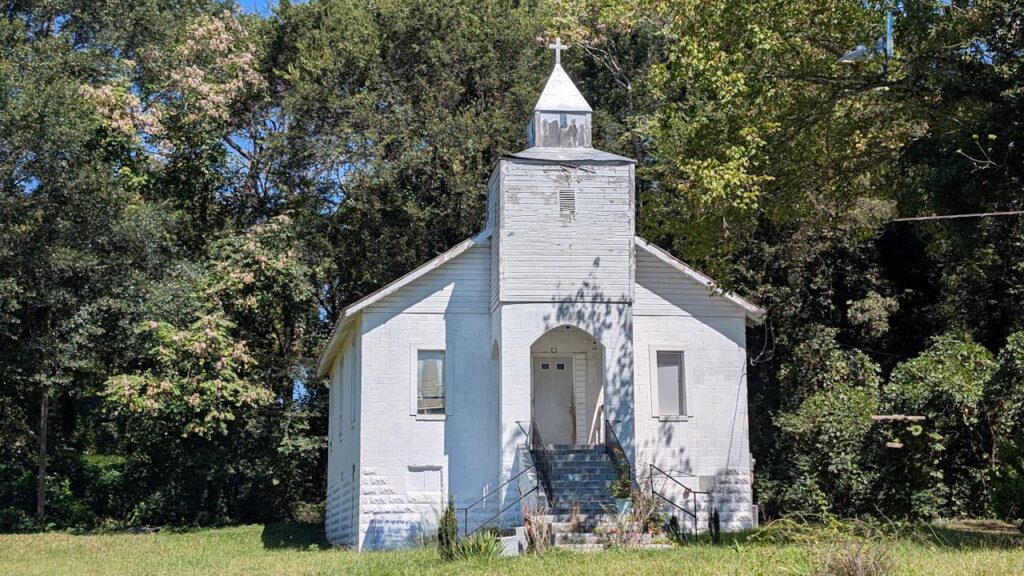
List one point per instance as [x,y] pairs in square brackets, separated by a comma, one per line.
[290,549]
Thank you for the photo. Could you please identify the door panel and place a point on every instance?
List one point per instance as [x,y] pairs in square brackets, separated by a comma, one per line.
[553,399]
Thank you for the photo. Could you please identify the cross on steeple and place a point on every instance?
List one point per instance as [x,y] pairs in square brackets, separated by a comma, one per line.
[558,47]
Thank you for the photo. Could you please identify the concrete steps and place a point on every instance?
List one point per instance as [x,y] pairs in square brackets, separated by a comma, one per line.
[581,476]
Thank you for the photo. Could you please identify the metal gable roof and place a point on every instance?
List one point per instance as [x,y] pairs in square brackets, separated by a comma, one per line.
[561,95]
[754,313]
[352,310]
[569,155]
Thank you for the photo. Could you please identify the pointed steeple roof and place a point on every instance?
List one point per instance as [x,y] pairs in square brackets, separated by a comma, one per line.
[561,95]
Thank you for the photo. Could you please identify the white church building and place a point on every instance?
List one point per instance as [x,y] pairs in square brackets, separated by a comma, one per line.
[554,342]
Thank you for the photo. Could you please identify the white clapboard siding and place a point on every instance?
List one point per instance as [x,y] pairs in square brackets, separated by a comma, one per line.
[546,254]
[664,291]
[461,285]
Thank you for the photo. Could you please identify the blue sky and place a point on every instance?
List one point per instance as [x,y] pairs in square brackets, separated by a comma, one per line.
[258,6]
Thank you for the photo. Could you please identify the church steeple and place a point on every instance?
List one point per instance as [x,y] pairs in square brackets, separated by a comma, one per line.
[561,118]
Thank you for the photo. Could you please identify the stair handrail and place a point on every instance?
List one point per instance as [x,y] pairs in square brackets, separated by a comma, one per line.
[465,509]
[502,511]
[540,459]
[689,491]
[617,453]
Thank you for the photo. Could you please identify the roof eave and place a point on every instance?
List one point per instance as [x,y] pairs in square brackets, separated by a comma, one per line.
[349,313]
[753,313]
[334,344]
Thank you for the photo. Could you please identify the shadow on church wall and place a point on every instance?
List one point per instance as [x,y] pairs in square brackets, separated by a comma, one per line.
[610,321]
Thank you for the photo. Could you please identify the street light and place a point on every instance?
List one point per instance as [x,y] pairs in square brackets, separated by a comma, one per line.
[862,53]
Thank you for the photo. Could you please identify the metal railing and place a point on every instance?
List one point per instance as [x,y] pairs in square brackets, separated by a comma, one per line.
[540,459]
[617,454]
[542,467]
[465,510]
[689,492]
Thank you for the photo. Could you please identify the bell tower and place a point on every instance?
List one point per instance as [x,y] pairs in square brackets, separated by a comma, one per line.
[562,243]
[561,212]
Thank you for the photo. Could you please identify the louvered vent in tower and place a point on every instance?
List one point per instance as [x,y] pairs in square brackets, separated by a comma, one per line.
[567,201]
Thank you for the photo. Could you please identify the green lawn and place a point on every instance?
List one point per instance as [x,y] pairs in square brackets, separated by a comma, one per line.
[293,550]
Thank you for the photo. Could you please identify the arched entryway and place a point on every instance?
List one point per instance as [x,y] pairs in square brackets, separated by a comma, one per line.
[567,386]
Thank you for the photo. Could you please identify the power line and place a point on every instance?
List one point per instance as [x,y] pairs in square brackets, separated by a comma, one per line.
[955,216]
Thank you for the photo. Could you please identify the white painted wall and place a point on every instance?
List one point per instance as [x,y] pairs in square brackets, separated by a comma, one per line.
[673,313]
[521,325]
[547,255]
[493,215]
[445,309]
[342,508]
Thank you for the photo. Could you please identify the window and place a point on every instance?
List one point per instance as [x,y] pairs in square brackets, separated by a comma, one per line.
[353,389]
[670,381]
[430,382]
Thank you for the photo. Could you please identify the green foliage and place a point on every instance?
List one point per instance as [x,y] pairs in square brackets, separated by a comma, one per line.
[483,544]
[827,440]
[855,559]
[675,532]
[166,162]
[448,532]
[180,416]
[715,527]
[946,383]
[195,387]
[622,487]
[274,549]
[1008,489]
[946,469]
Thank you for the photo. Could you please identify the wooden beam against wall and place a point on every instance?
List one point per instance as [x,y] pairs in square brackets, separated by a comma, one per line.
[897,418]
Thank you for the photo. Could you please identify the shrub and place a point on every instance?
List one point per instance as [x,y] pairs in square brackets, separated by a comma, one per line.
[944,467]
[715,527]
[448,532]
[675,531]
[634,526]
[824,460]
[622,487]
[1008,491]
[483,544]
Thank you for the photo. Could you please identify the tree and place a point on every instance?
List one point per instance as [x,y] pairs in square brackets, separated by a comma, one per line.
[181,415]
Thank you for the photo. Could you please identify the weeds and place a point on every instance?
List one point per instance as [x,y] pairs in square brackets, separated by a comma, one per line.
[538,531]
[638,523]
[574,517]
[715,527]
[855,558]
[483,544]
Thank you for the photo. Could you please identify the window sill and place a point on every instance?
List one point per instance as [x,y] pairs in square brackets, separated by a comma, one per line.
[679,418]
[432,417]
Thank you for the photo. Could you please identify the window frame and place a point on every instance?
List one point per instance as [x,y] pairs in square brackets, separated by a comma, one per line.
[686,412]
[337,397]
[414,388]
[353,376]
